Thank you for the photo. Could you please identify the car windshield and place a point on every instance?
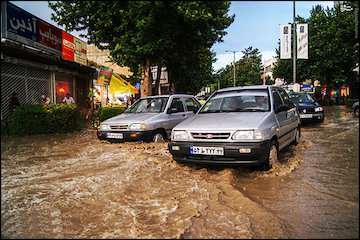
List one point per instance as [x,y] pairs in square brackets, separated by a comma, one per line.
[148,105]
[238,101]
[301,98]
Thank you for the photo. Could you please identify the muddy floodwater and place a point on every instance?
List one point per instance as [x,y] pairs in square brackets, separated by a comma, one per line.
[75,186]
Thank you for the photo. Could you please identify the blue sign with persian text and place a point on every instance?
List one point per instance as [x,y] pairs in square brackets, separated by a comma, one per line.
[21,22]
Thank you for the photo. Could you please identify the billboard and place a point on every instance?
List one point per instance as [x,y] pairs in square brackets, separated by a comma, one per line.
[302,40]
[285,41]
[105,75]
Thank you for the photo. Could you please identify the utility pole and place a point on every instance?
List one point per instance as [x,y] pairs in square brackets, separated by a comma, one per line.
[234,64]
[294,44]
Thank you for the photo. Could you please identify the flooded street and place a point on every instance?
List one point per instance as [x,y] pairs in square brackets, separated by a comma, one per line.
[75,186]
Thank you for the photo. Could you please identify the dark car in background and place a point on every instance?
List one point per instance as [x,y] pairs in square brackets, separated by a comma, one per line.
[307,106]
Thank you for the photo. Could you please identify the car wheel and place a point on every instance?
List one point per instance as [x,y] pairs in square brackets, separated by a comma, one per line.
[158,137]
[272,157]
[356,112]
[297,136]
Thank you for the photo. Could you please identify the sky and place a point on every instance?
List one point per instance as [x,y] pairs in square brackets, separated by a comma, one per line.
[256,24]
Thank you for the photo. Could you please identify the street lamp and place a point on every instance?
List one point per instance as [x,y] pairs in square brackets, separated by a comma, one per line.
[233,63]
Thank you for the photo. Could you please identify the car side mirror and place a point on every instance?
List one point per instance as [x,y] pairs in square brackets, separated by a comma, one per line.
[282,108]
[171,110]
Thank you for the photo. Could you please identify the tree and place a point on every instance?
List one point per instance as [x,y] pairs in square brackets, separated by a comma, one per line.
[247,70]
[333,49]
[149,33]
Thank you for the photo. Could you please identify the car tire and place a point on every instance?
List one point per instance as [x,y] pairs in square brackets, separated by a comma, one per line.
[158,137]
[272,156]
[297,136]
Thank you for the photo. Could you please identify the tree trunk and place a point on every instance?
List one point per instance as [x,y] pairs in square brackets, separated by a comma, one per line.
[146,82]
[157,80]
[171,84]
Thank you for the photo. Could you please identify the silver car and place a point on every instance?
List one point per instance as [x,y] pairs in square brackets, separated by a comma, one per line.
[240,125]
[149,119]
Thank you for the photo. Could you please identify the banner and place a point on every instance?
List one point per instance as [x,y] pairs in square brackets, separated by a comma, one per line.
[80,51]
[302,40]
[285,41]
[104,75]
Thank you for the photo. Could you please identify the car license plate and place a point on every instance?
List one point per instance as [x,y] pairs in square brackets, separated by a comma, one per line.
[306,115]
[207,150]
[115,135]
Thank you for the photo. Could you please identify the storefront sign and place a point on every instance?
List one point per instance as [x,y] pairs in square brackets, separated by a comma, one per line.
[49,35]
[285,41]
[68,46]
[21,23]
[80,51]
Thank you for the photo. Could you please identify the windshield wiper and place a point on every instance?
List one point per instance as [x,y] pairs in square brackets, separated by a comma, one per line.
[211,111]
[250,110]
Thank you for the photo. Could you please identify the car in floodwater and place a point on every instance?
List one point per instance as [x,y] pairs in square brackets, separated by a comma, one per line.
[239,125]
[149,119]
[308,107]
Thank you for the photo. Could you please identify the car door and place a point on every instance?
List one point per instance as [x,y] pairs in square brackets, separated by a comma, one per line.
[191,105]
[175,112]
[281,116]
[292,115]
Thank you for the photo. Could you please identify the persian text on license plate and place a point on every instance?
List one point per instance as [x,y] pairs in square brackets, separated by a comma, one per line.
[306,116]
[115,135]
[207,150]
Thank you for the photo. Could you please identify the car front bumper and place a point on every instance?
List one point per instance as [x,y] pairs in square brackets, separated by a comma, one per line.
[232,156]
[128,136]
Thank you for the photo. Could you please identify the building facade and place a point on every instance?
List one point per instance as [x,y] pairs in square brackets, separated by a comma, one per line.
[38,58]
[267,70]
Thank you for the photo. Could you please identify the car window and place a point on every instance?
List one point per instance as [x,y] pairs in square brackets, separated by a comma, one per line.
[285,97]
[148,105]
[177,104]
[191,105]
[248,100]
[277,99]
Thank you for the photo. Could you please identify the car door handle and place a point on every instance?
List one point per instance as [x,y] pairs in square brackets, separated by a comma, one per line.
[184,115]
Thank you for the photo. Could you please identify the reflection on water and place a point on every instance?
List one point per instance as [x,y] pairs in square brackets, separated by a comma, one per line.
[73,185]
[320,198]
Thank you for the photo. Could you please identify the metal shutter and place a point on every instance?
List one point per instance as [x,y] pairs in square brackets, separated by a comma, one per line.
[29,83]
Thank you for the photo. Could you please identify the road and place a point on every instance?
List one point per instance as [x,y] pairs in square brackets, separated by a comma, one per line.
[75,186]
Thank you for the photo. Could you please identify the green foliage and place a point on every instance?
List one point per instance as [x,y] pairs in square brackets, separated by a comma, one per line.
[37,119]
[175,34]
[333,49]
[247,70]
[109,112]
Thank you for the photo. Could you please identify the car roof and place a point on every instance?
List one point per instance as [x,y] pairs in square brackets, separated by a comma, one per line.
[172,95]
[255,87]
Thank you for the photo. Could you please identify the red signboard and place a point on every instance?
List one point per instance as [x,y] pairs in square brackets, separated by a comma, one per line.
[68,46]
[49,35]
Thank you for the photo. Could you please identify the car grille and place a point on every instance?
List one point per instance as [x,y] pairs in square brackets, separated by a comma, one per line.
[118,127]
[308,110]
[210,135]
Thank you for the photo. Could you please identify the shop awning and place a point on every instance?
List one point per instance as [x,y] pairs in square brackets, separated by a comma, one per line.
[120,85]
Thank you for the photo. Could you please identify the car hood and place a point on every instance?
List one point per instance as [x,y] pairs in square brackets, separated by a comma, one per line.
[223,121]
[307,105]
[128,118]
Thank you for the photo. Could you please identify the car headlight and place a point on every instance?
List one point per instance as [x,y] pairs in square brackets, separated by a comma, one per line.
[179,136]
[137,126]
[318,109]
[248,135]
[104,127]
